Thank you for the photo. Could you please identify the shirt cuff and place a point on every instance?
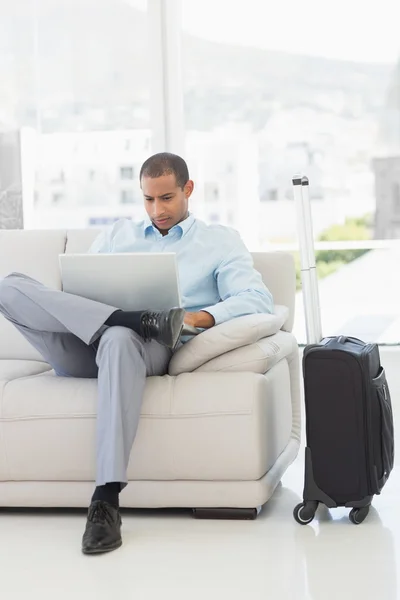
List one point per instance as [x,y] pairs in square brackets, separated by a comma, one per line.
[219,312]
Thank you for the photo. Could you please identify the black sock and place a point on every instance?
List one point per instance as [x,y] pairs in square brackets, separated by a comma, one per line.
[126,318]
[108,493]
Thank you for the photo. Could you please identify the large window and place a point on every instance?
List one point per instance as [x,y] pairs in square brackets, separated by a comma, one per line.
[312,87]
[74,109]
[268,90]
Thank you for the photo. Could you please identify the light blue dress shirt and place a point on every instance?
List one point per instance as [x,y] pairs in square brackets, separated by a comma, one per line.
[216,272]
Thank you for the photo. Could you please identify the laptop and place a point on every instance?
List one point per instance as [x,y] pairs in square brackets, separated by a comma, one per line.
[129,281]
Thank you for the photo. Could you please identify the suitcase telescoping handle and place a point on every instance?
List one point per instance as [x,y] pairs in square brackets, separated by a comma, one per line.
[309,277]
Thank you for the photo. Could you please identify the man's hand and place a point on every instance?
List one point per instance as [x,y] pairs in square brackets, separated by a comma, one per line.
[200,319]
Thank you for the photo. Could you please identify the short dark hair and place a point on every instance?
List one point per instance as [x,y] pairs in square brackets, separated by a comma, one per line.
[166,163]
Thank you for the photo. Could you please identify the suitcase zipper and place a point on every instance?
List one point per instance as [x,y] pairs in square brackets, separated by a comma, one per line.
[367,420]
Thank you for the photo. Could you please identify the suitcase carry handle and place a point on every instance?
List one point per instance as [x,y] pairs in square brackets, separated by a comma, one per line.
[342,339]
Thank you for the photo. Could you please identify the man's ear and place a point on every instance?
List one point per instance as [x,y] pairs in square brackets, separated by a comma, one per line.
[188,189]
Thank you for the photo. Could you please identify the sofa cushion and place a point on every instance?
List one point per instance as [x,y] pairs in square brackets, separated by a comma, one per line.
[224,338]
[279,275]
[80,240]
[14,369]
[10,370]
[259,357]
[203,426]
[34,253]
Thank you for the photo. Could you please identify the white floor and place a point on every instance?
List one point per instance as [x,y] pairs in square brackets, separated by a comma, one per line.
[170,555]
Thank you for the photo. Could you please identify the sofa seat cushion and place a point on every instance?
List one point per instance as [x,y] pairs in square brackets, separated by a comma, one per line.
[14,369]
[202,426]
[11,370]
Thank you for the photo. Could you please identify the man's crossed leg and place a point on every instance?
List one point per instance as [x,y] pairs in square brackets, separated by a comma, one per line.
[82,338]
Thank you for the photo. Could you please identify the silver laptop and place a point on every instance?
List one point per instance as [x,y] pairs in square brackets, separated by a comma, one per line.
[130,281]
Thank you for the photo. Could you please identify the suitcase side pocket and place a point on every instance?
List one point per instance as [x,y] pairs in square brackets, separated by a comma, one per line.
[383,430]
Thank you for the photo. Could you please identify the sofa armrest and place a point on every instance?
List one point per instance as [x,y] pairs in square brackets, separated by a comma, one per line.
[224,338]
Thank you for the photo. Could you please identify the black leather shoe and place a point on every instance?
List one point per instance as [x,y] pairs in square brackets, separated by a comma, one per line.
[103,529]
[164,327]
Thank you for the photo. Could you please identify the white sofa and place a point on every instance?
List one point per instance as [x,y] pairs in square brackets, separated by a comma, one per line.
[217,432]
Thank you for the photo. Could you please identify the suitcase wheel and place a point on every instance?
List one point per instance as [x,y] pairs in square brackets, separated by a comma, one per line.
[358,515]
[304,513]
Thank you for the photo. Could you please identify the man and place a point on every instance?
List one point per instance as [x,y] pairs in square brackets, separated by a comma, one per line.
[82,338]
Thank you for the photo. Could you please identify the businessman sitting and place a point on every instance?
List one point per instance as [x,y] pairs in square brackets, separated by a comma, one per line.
[82,338]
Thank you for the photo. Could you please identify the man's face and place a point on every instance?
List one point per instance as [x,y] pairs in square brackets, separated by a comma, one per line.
[166,203]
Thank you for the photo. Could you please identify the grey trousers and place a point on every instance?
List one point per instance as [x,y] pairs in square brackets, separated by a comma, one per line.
[69,332]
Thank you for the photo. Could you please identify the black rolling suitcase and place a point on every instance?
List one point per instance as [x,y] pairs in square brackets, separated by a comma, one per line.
[349,422]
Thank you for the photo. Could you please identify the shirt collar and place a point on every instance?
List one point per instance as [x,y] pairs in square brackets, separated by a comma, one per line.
[183,227]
